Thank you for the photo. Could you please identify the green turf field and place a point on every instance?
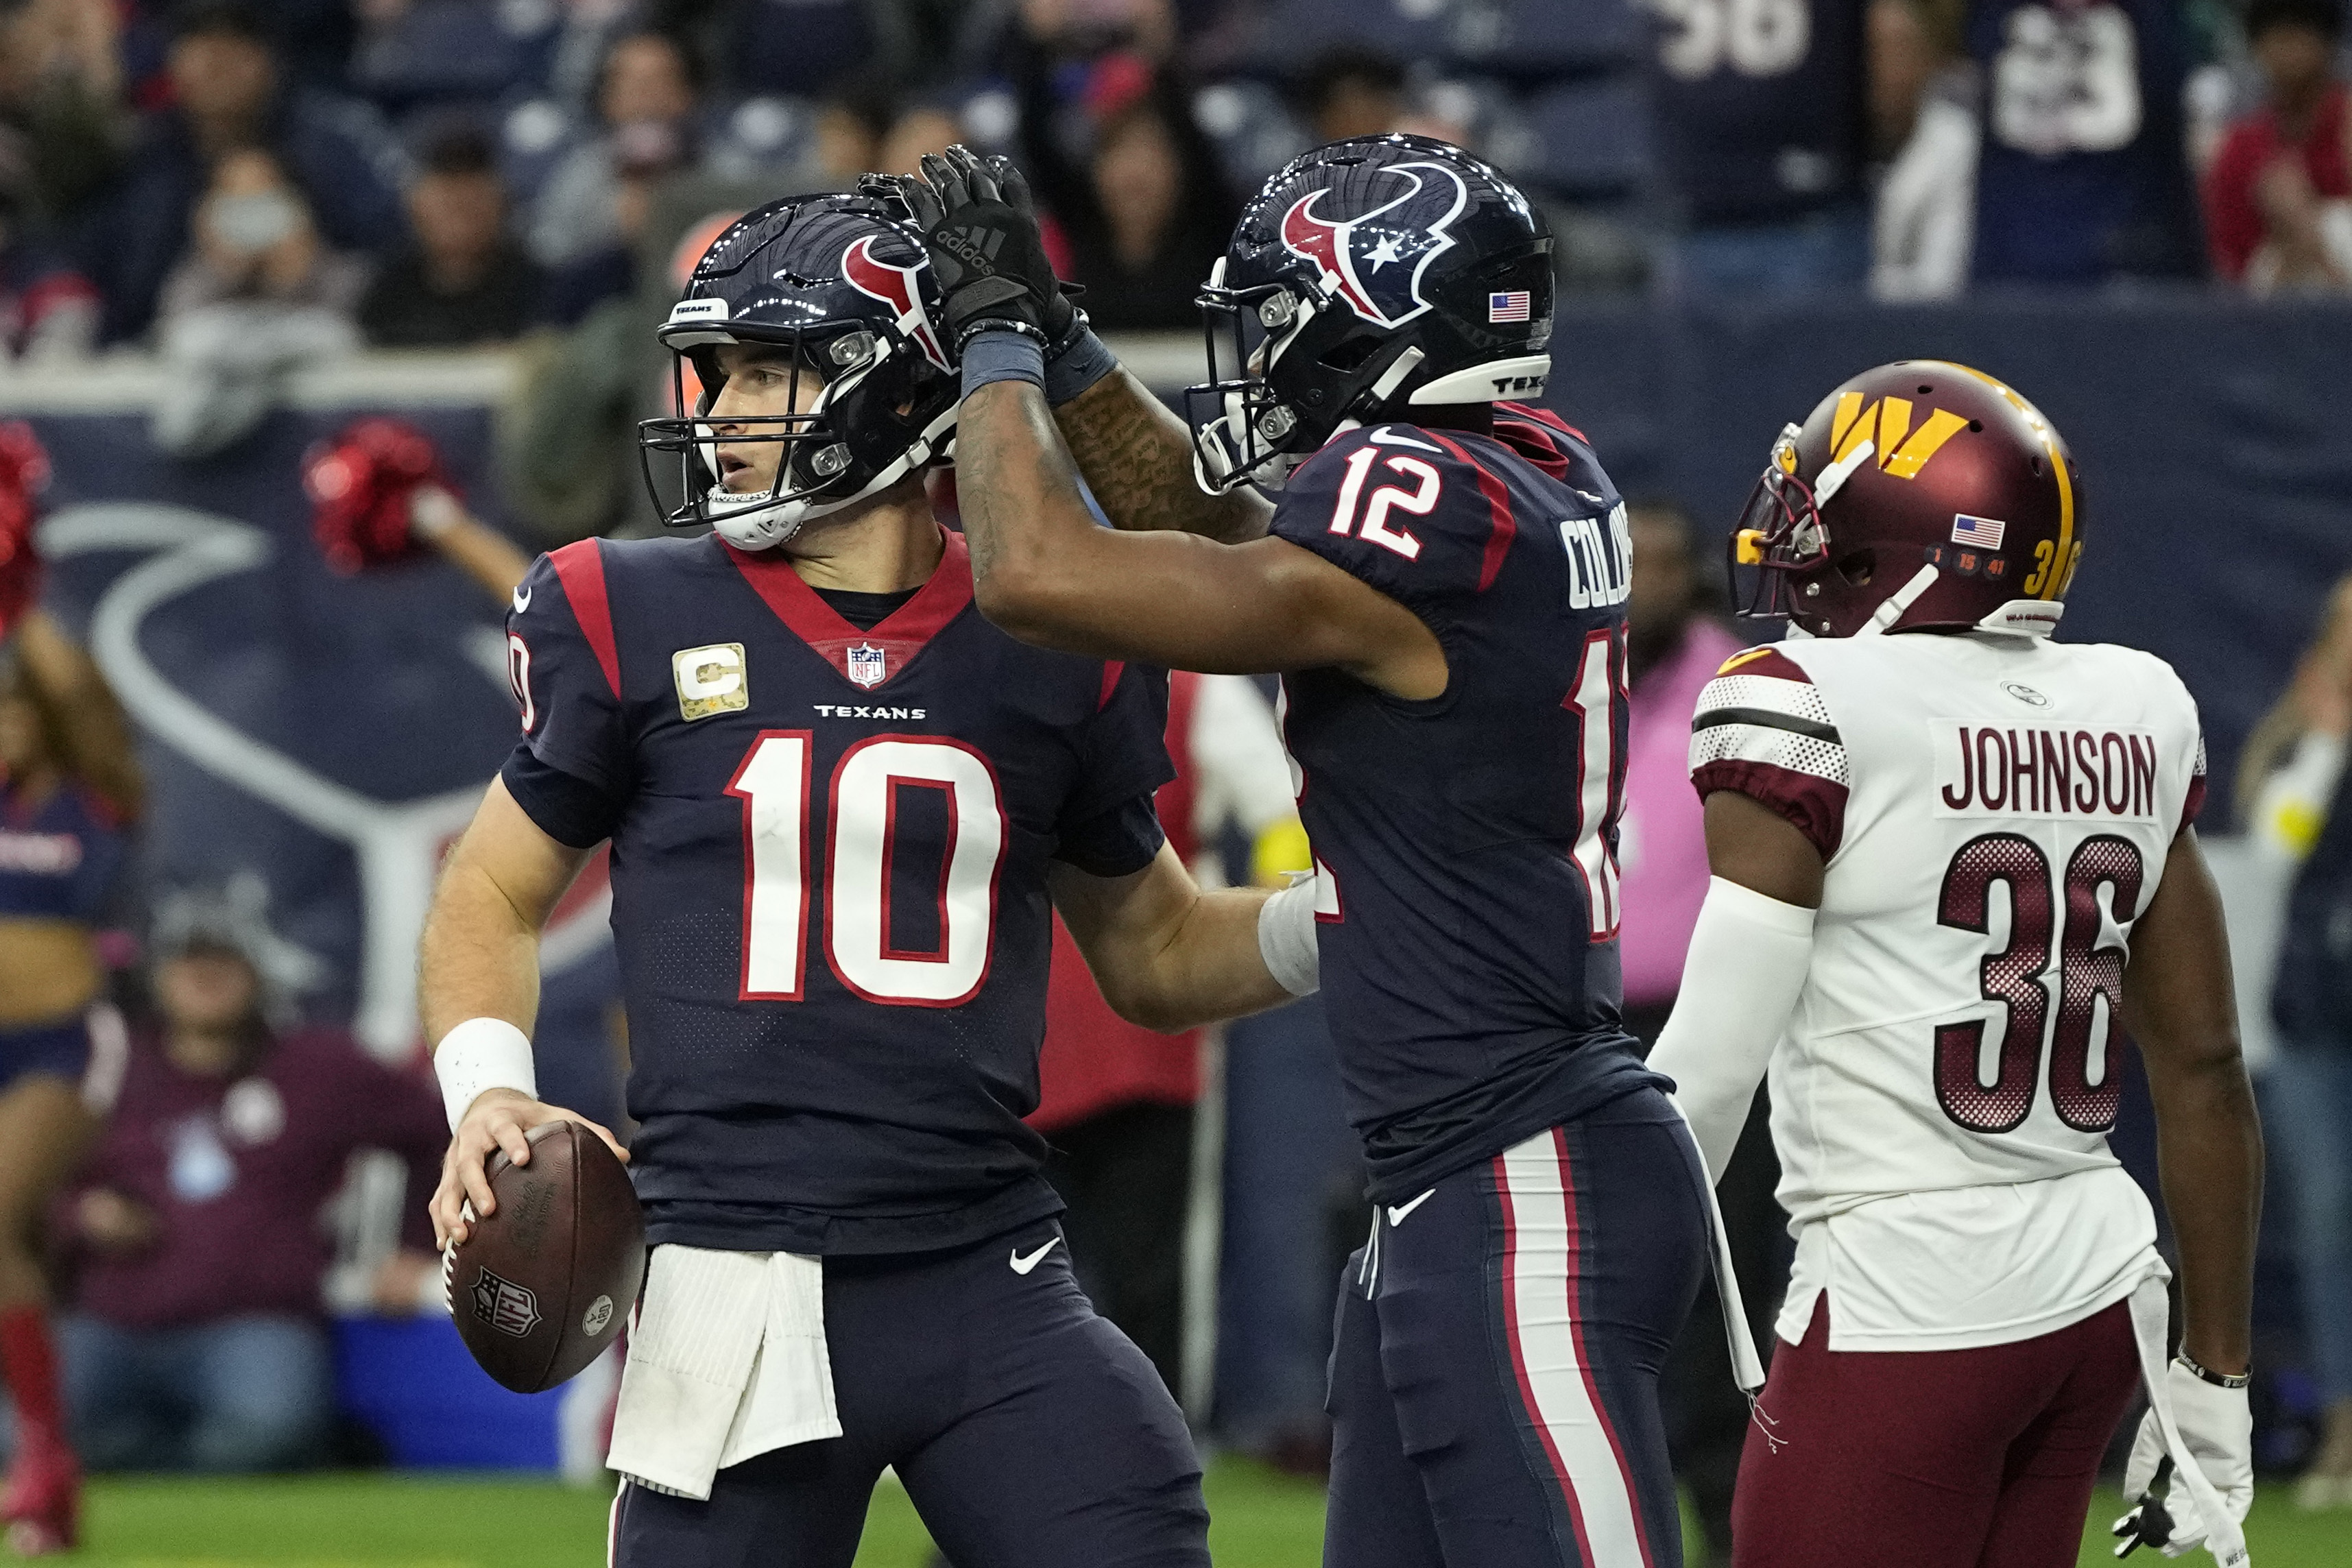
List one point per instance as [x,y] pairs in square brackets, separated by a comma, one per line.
[408,1521]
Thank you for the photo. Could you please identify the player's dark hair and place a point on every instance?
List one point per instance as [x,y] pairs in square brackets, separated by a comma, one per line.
[2325,17]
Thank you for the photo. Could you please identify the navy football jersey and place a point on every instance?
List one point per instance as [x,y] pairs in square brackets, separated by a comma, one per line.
[829,849]
[2084,174]
[1759,105]
[1465,846]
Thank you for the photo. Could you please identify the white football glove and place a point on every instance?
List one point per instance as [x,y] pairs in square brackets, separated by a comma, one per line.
[2217,1426]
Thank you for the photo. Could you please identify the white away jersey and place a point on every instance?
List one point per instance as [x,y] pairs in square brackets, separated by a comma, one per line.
[1994,813]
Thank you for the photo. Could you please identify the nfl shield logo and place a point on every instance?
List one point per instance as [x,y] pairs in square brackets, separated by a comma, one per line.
[504,1305]
[866,664]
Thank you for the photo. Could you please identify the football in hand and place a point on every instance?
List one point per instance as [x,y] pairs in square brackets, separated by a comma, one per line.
[544,1283]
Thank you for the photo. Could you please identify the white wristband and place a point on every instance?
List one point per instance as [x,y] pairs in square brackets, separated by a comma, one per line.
[1286,939]
[482,1054]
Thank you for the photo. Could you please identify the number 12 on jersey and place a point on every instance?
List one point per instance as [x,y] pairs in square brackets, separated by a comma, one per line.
[774,784]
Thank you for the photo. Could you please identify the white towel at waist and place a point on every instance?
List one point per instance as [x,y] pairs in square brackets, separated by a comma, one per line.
[727,1360]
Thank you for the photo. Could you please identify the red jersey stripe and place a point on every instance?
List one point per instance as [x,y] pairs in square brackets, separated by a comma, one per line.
[580,566]
[1501,529]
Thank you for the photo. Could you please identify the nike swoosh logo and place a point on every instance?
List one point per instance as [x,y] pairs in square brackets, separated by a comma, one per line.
[1023,1265]
[521,600]
[1397,1214]
[1383,437]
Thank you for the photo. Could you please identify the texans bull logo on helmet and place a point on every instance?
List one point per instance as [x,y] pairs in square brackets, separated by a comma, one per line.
[1375,260]
[895,286]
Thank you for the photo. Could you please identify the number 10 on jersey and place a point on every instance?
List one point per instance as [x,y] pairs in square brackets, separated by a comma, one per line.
[774,785]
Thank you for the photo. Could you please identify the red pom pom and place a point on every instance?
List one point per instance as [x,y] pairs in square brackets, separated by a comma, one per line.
[24,474]
[360,485]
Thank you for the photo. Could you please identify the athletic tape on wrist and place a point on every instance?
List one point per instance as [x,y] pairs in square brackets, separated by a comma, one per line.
[1286,939]
[1002,356]
[481,1054]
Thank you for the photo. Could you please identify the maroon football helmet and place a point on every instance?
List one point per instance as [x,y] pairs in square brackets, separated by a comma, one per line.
[1922,495]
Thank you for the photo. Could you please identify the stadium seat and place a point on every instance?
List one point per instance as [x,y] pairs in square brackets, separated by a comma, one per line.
[1531,39]
[1594,137]
[760,135]
[533,137]
[1250,129]
[1526,40]
[1292,32]
[440,50]
[801,46]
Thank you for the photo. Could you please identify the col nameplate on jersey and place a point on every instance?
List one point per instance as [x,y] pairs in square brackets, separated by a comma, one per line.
[710,680]
[2043,770]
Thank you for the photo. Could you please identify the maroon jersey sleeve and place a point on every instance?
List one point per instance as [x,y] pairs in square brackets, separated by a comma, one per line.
[1415,513]
[1763,730]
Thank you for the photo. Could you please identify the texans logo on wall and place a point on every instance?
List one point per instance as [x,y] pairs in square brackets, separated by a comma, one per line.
[328,735]
[1374,259]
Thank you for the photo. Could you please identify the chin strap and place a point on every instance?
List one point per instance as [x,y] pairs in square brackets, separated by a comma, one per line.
[1899,601]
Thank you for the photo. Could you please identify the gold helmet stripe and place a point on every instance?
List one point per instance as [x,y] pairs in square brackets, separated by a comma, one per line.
[2061,570]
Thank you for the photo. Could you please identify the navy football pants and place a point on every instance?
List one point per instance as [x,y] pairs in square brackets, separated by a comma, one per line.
[1028,1431]
[1494,1366]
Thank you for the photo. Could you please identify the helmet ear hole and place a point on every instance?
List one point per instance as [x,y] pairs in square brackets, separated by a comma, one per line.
[1350,353]
[1858,568]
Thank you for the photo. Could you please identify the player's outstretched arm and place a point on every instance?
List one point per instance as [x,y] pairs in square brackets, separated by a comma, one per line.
[1136,457]
[1044,571]
[475,548]
[477,969]
[2179,1004]
[1166,954]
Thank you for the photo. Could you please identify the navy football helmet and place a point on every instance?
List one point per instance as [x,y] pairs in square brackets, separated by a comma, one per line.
[843,284]
[1367,278]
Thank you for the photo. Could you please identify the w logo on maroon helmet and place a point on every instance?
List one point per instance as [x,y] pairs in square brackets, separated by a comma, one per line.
[1374,260]
[895,285]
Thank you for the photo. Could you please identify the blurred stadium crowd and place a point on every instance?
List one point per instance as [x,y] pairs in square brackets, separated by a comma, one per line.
[244,189]
[448,171]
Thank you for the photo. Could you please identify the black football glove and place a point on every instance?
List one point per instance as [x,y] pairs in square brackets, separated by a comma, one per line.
[980,224]
[2151,1523]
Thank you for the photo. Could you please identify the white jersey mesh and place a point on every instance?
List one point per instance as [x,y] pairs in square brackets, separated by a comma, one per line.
[1772,692]
[1770,746]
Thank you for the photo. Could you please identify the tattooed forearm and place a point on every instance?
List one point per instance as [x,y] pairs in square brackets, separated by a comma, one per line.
[1136,456]
[1016,485]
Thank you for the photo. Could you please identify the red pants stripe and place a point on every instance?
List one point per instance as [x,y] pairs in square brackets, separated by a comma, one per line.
[1941,1458]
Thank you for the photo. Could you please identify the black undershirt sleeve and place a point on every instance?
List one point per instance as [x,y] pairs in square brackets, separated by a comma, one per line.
[1116,842]
[568,808]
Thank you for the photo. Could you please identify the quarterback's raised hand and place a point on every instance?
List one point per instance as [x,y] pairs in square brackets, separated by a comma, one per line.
[980,224]
[497,1119]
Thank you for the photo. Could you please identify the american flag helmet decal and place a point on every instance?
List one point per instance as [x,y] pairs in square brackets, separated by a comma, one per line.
[1507,305]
